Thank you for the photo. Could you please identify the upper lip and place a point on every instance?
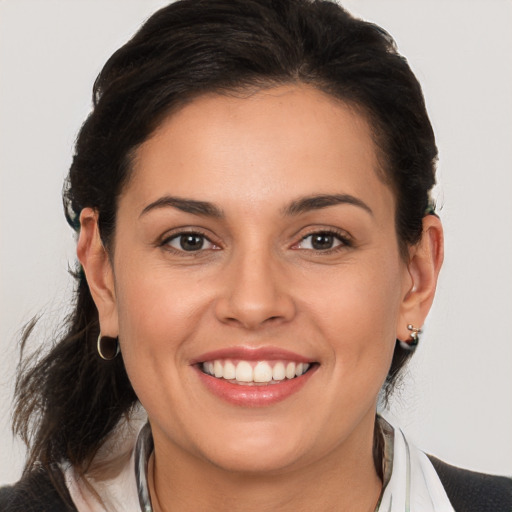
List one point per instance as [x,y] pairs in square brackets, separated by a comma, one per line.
[252,354]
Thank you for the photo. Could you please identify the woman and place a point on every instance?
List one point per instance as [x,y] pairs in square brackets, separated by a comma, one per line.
[258,254]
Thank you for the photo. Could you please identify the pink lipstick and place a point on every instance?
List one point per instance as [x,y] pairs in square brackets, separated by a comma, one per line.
[254,377]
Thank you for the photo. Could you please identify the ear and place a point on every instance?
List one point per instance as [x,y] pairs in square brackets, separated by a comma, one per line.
[425,260]
[98,271]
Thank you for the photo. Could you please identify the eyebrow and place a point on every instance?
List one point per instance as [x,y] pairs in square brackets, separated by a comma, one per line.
[296,207]
[317,202]
[185,205]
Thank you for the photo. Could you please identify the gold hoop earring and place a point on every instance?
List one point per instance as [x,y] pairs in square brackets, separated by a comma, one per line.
[108,348]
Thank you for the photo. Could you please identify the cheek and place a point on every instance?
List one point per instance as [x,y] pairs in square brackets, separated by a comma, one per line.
[359,317]
[157,312]
[157,321]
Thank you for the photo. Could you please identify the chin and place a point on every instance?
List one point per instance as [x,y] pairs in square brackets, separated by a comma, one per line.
[254,450]
[249,462]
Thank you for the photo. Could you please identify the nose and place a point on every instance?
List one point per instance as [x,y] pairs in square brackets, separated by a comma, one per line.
[255,292]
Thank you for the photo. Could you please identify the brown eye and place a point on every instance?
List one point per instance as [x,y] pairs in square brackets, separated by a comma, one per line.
[321,241]
[189,242]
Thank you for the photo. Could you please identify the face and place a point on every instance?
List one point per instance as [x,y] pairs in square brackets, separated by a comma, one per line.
[257,280]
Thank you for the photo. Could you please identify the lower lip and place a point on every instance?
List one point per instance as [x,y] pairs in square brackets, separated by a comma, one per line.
[255,395]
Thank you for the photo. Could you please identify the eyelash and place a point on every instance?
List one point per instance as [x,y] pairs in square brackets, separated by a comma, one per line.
[338,235]
[341,237]
[165,243]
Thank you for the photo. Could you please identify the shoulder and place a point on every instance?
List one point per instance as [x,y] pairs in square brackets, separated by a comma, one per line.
[469,491]
[36,492]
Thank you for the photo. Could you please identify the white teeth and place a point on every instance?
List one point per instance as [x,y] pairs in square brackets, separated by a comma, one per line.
[290,370]
[260,372]
[244,372]
[229,370]
[278,372]
[218,369]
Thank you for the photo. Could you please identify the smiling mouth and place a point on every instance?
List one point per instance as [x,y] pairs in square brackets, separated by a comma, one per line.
[254,373]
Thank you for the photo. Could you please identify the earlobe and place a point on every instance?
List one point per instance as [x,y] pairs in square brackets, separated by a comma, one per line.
[98,271]
[424,265]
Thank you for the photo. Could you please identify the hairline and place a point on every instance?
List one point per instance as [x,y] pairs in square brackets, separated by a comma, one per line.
[253,87]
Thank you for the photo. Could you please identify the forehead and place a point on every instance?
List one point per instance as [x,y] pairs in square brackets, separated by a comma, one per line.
[260,148]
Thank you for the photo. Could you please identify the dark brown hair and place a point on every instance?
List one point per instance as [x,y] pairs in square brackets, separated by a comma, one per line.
[69,400]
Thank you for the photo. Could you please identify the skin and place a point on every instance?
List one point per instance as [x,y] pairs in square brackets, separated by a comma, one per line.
[258,282]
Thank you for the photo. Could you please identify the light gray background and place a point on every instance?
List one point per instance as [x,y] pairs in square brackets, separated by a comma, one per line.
[457,399]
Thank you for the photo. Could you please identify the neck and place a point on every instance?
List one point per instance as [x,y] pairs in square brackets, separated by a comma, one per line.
[344,480]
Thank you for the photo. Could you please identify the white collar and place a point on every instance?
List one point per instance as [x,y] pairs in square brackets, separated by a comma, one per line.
[414,484]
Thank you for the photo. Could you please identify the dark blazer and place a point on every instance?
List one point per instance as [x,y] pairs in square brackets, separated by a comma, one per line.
[474,492]
[468,492]
[36,492]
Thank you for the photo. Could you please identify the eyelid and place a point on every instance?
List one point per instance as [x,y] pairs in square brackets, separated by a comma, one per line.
[178,232]
[340,235]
